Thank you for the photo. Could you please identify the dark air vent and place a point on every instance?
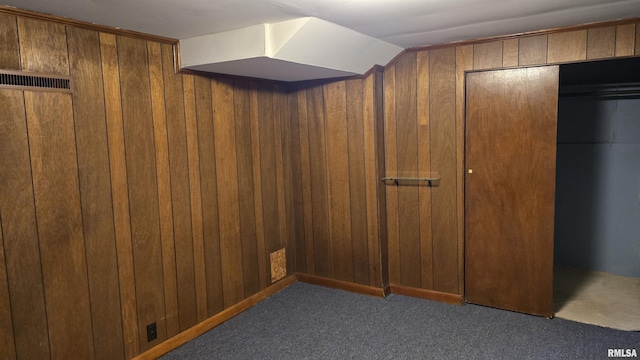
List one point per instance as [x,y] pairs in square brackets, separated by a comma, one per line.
[21,80]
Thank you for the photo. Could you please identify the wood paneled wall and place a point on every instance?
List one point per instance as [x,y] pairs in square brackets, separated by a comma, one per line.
[144,196]
[424,132]
[336,167]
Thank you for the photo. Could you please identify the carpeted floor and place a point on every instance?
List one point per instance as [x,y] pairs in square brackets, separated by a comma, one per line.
[597,298]
[309,322]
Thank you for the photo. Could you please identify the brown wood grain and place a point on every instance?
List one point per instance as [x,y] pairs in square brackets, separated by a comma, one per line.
[95,191]
[408,194]
[487,55]
[510,53]
[601,42]
[143,187]
[382,242]
[511,147]
[7,341]
[193,154]
[305,167]
[120,191]
[464,62]
[164,187]
[21,248]
[335,110]
[290,114]
[55,181]
[567,46]
[279,118]
[180,190]
[625,36]
[209,190]
[637,39]
[9,46]
[227,183]
[371,177]
[357,184]
[257,184]
[532,50]
[43,46]
[424,170]
[268,170]
[296,184]
[241,102]
[391,164]
[442,115]
[319,188]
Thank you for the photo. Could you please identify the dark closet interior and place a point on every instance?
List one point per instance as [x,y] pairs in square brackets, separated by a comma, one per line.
[597,219]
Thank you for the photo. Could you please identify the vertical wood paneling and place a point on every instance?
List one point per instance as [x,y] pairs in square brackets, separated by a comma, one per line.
[279,118]
[55,181]
[357,184]
[195,196]
[625,36]
[288,114]
[209,189]
[407,145]
[142,185]
[424,170]
[510,53]
[95,192]
[24,273]
[38,38]
[335,110]
[319,190]
[601,42]
[464,61]
[382,240]
[164,188]
[9,47]
[442,115]
[637,39]
[257,184]
[227,182]
[567,46]
[371,176]
[7,341]
[245,181]
[120,191]
[487,55]
[532,50]
[391,162]
[296,183]
[268,175]
[306,179]
[180,191]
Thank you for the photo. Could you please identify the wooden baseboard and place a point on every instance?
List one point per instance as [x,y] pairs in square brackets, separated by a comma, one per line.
[208,324]
[342,285]
[427,294]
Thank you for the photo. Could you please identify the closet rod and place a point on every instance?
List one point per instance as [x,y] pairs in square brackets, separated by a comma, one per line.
[395,180]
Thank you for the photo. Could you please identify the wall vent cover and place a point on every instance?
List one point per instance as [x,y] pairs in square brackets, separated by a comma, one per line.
[22,80]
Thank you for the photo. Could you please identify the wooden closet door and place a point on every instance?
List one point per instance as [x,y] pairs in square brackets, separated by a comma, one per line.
[510,151]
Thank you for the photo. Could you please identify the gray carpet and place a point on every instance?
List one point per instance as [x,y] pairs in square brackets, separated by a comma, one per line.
[310,322]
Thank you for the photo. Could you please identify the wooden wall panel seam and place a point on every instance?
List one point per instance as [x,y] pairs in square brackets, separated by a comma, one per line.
[7,350]
[122,235]
[233,94]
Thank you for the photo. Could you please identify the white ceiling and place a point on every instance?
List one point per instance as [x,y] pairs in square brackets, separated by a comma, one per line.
[405,23]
